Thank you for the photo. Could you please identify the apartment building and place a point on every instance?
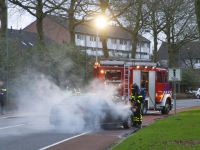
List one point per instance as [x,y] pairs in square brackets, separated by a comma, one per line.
[118,40]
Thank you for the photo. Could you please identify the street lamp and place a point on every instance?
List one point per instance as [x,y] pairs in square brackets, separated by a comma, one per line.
[100,23]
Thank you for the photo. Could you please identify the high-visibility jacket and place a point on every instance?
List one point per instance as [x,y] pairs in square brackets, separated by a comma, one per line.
[3,90]
[137,99]
[77,91]
[71,90]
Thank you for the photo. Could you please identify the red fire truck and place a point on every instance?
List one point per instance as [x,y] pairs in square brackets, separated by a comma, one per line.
[123,73]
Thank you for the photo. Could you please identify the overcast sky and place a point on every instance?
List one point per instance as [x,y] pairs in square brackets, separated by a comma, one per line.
[18,21]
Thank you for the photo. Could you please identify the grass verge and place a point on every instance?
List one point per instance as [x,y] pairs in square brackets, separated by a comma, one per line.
[182,133]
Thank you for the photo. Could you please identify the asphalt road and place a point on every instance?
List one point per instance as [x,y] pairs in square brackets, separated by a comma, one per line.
[31,131]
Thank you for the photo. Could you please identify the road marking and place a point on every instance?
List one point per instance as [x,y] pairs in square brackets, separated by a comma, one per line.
[64,140]
[17,115]
[15,126]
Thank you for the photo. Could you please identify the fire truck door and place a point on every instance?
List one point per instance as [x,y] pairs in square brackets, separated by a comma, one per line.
[151,89]
[137,77]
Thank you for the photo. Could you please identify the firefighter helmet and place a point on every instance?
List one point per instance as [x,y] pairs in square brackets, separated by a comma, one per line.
[134,88]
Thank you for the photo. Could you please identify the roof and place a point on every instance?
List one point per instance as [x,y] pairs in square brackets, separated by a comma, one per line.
[189,50]
[162,53]
[26,39]
[89,28]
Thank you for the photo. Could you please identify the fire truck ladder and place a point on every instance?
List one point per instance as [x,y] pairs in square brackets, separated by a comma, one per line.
[127,81]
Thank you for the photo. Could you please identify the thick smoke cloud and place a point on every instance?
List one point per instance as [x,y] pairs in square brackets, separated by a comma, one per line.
[40,94]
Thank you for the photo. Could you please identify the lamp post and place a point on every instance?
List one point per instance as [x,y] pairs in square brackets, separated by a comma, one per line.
[7,54]
[100,23]
[97,46]
[140,49]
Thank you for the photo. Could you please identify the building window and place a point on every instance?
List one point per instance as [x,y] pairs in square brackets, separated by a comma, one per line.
[125,42]
[121,42]
[159,77]
[113,41]
[129,42]
[165,77]
[80,37]
[92,38]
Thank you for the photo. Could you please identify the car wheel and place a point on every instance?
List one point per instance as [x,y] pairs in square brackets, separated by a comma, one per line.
[144,108]
[198,96]
[166,108]
[96,122]
[128,122]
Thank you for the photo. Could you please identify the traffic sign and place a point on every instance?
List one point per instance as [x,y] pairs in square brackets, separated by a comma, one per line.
[174,74]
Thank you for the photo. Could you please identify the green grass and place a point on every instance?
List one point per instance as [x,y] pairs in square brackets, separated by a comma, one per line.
[182,133]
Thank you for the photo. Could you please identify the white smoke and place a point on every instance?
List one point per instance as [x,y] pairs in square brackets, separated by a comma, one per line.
[41,94]
[73,121]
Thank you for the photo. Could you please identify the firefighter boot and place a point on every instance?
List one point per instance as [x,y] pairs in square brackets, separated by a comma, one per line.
[135,123]
[138,126]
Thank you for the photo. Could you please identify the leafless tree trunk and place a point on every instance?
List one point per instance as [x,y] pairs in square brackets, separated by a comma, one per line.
[197,11]
[155,23]
[3,18]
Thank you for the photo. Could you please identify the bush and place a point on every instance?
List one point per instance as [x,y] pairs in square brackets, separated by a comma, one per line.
[185,96]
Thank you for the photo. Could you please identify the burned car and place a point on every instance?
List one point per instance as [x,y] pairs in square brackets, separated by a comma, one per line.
[91,111]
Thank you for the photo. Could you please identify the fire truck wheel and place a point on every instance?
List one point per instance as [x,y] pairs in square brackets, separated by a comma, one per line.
[128,122]
[144,108]
[166,108]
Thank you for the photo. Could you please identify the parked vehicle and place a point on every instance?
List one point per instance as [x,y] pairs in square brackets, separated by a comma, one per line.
[125,72]
[198,93]
[92,110]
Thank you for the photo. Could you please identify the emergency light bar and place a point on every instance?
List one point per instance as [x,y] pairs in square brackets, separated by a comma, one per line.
[131,62]
[107,62]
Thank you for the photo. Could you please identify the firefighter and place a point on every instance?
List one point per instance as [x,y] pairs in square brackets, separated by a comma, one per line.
[77,91]
[136,100]
[71,89]
[117,94]
[2,96]
[116,97]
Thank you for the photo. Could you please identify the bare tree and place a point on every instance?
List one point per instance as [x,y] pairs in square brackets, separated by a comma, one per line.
[38,9]
[179,24]
[155,22]
[84,11]
[197,11]
[76,12]
[133,20]
[110,9]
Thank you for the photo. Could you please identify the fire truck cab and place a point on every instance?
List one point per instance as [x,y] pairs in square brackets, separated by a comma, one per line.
[122,73]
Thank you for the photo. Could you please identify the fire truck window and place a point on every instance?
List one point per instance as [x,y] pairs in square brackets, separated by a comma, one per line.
[165,77]
[113,75]
[144,81]
[159,77]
